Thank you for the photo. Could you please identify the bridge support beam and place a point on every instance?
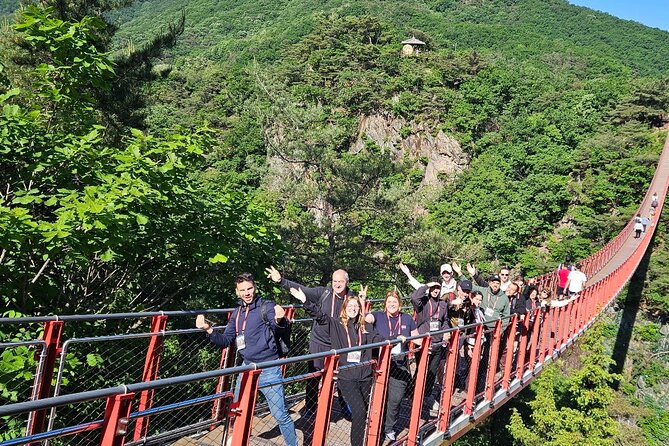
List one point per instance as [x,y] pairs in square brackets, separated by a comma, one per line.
[115,426]
[151,364]
[52,338]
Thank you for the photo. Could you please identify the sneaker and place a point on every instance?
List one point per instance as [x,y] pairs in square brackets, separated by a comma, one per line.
[390,436]
[435,405]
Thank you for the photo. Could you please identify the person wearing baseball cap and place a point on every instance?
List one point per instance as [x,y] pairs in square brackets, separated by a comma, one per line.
[448,283]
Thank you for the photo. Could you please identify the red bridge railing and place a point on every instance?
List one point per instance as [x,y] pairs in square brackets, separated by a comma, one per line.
[48,410]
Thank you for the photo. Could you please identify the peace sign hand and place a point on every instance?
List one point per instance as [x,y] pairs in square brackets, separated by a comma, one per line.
[362,294]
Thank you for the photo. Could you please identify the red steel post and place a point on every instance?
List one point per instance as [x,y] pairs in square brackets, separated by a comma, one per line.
[324,409]
[224,382]
[496,339]
[510,340]
[449,380]
[536,325]
[243,409]
[151,365]
[419,391]
[116,420]
[375,434]
[473,371]
[522,345]
[52,338]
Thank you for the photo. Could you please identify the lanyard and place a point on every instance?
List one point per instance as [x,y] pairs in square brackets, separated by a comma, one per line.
[246,316]
[397,325]
[333,297]
[495,304]
[432,313]
[348,337]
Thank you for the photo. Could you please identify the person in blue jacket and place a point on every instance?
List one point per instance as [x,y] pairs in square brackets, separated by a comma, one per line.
[255,343]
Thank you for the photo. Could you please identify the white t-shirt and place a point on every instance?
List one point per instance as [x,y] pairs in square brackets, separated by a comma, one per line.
[576,281]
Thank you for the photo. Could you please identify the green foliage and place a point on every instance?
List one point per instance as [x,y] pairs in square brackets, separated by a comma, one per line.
[647,332]
[81,219]
[655,428]
[572,409]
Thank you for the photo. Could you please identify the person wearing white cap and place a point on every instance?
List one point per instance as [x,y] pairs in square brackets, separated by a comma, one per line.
[448,283]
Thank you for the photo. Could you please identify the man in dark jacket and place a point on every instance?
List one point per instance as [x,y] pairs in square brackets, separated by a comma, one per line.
[329,300]
[255,343]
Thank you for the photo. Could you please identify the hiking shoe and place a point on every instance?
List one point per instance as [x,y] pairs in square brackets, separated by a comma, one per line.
[390,436]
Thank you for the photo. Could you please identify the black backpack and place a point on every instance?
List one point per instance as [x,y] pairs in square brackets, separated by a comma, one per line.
[281,334]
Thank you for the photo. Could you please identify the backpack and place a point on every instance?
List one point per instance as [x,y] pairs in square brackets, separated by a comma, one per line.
[281,334]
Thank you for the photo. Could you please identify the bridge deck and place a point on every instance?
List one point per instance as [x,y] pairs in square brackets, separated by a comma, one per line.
[659,185]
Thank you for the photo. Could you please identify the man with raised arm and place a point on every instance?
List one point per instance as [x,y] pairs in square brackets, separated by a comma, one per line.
[254,338]
[329,300]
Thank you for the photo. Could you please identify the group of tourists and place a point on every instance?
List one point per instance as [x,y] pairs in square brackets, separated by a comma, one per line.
[339,321]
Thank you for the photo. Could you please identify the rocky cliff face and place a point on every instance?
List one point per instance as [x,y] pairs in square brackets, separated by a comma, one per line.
[443,154]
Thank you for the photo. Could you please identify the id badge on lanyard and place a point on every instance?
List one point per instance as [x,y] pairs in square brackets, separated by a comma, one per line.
[353,357]
[489,311]
[397,349]
[239,341]
[434,323]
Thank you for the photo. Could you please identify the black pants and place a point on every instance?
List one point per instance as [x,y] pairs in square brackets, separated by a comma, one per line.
[357,394]
[398,381]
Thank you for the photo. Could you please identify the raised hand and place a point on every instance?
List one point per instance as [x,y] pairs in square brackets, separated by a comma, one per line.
[457,268]
[404,269]
[273,274]
[362,294]
[471,269]
[298,294]
[279,312]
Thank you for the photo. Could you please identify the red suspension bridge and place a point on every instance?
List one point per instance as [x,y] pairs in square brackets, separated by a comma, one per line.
[55,371]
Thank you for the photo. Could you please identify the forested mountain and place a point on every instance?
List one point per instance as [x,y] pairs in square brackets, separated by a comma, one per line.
[295,133]
[518,28]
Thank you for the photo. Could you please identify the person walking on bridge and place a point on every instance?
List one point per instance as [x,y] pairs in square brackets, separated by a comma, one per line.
[329,299]
[255,342]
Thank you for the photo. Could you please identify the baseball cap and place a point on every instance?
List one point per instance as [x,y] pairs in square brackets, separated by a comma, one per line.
[494,277]
[446,267]
[465,285]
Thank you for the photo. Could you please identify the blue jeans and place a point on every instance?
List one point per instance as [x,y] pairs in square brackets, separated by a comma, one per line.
[276,402]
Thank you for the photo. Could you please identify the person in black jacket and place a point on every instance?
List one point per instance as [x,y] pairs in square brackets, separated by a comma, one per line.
[255,343]
[329,299]
[432,315]
[348,329]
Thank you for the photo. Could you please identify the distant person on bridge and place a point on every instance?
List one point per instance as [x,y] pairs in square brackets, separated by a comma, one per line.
[448,283]
[654,203]
[576,280]
[330,300]
[345,330]
[390,323]
[638,226]
[255,342]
